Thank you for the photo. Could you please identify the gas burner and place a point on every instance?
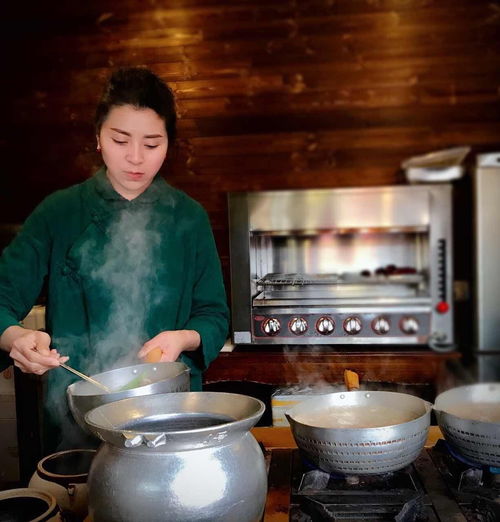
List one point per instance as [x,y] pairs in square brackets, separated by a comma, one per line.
[463,475]
[435,488]
[314,509]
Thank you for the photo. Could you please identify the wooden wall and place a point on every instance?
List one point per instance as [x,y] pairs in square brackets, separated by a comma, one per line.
[271,93]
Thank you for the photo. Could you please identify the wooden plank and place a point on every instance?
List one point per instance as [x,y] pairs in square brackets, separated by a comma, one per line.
[278,497]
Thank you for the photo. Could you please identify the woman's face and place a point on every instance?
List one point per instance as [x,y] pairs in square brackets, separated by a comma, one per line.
[134,146]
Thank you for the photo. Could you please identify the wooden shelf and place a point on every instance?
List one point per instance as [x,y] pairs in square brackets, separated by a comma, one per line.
[279,367]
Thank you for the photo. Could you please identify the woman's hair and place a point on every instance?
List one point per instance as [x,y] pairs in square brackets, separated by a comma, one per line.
[140,88]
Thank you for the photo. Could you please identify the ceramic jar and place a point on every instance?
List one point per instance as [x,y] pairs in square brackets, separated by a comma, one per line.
[64,475]
[28,505]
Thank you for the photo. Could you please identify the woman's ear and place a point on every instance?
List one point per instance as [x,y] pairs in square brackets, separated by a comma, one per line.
[98,148]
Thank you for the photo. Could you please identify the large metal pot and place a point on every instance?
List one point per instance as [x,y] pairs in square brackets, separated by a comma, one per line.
[161,377]
[478,440]
[181,457]
[359,450]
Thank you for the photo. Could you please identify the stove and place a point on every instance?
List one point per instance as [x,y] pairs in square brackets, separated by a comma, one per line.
[357,266]
[436,487]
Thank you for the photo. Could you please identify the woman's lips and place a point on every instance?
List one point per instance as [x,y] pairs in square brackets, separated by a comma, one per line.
[135,175]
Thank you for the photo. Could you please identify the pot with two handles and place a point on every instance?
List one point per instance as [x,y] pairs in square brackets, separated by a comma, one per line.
[183,457]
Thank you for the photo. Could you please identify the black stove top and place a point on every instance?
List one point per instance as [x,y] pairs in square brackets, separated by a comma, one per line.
[436,487]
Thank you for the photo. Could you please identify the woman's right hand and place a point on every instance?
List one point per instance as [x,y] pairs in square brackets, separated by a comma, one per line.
[30,350]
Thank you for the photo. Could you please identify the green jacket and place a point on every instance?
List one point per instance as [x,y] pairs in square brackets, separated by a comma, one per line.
[118,272]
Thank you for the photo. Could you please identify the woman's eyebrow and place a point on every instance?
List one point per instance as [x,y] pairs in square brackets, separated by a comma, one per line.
[148,136]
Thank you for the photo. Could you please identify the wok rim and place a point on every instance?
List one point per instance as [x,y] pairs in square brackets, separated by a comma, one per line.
[178,433]
[439,411]
[428,406]
[70,390]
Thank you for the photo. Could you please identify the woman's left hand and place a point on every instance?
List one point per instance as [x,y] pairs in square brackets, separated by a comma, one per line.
[169,345]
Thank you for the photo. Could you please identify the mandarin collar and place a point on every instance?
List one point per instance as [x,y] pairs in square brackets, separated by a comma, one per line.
[106,191]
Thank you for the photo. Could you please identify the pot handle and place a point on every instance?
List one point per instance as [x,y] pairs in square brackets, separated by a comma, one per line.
[351,380]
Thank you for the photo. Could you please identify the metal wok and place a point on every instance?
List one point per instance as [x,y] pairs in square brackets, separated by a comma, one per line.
[161,377]
[366,451]
[478,440]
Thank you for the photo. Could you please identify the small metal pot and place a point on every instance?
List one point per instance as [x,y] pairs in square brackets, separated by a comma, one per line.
[183,457]
[164,377]
[476,440]
[362,451]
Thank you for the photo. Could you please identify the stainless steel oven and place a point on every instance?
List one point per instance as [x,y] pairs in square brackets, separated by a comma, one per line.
[342,266]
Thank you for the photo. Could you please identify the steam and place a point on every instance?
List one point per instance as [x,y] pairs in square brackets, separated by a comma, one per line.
[128,275]
[302,373]
[118,265]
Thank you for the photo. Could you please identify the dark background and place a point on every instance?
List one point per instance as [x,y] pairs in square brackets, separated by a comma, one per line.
[271,94]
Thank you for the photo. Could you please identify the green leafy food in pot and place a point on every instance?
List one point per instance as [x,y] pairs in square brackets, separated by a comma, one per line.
[136,382]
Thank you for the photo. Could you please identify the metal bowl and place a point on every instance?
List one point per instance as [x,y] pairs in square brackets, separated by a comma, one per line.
[362,451]
[476,440]
[162,377]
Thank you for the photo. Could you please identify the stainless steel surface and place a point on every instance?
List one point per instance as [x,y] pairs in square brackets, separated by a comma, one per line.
[332,248]
[179,457]
[476,440]
[281,316]
[163,377]
[362,450]
[487,260]
[372,207]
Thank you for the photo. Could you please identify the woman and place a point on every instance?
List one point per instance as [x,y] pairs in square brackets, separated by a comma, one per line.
[130,262]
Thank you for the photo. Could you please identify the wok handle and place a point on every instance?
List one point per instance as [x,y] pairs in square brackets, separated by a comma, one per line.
[351,380]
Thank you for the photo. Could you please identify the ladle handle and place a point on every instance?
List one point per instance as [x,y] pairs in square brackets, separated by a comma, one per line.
[351,380]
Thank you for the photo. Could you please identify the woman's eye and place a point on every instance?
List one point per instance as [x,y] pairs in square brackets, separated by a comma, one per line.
[119,142]
[151,146]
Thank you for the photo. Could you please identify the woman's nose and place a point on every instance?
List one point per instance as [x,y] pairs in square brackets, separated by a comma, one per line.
[134,153]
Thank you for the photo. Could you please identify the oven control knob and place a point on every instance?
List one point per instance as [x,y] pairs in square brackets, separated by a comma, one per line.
[380,325]
[352,325]
[271,326]
[325,325]
[409,325]
[298,325]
